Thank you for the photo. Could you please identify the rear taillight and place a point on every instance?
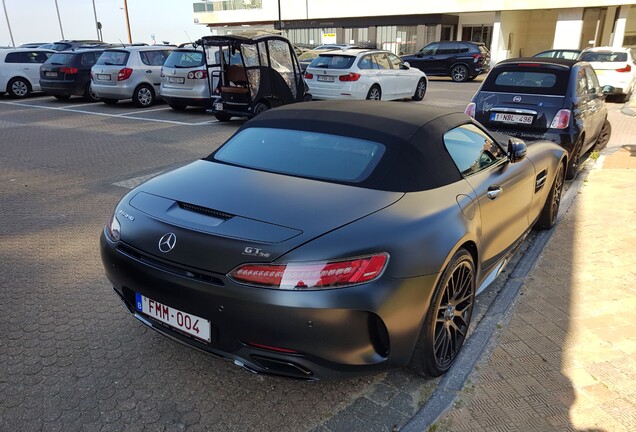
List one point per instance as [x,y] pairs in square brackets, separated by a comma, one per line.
[124,74]
[351,76]
[561,120]
[476,58]
[470,109]
[309,76]
[199,74]
[627,68]
[68,70]
[317,275]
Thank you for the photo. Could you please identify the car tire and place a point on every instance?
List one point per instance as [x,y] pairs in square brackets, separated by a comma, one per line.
[548,216]
[19,88]
[459,73]
[375,93]
[420,90]
[223,116]
[575,160]
[89,94]
[108,101]
[178,107]
[603,136]
[144,96]
[62,97]
[448,317]
[259,108]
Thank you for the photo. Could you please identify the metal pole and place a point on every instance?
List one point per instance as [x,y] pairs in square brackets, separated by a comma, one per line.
[59,19]
[280,24]
[127,21]
[96,25]
[8,25]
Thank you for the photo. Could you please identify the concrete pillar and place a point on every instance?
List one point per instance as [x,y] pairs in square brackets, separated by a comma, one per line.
[608,26]
[421,36]
[373,36]
[497,48]
[619,27]
[568,29]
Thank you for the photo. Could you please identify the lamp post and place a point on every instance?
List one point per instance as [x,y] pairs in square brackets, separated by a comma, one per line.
[59,19]
[127,21]
[8,25]
[97,25]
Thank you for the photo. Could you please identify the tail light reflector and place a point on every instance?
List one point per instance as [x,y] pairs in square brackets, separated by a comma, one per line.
[124,74]
[317,275]
[199,74]
[68,70]
[470,109]
[309,76]
[561,120]
[627,68]
[351,76]
[272,348]
[476,58]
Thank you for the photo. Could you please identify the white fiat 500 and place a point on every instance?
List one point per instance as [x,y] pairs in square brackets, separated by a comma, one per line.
[364,74]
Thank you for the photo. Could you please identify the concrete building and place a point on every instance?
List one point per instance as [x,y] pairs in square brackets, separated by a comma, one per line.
[510,28]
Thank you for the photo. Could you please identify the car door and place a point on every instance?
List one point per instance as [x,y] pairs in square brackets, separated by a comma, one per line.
[504,190]
[152,62]
[385,76]
[585,109]
[596,103]
[425,59]
[404,80]
[31,62]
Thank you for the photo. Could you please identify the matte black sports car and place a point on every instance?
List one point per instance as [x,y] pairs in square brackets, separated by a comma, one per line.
[332,238]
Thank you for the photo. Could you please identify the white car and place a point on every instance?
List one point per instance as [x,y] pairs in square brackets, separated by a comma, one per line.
[20,70]
[132,72]
[613,66]
[364,74]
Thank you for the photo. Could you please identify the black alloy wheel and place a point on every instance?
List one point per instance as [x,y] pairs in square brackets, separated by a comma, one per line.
[459,73]
[420,90]
[575,160]
[259,108]
[89,94]
[603,136]
[448,318]
[550,211]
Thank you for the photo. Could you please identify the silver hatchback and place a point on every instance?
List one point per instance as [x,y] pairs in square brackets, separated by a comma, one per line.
[185,79]
[129,73]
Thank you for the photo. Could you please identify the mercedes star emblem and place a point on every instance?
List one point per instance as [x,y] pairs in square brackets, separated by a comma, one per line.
[167,242]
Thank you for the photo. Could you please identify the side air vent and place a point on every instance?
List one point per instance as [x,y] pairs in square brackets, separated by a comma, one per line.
[206,211]
[540,181]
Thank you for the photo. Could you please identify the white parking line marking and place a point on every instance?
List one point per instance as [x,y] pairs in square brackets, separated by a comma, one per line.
[144,111]
[207,122]
[136,181]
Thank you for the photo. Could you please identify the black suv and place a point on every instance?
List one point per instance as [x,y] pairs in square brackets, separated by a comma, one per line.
[68,73]
[461,60]
[550,99]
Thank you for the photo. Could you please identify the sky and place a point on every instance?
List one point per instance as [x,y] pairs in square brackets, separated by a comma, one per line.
[36,21]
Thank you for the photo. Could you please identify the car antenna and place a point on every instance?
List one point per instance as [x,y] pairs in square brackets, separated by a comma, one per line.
[188,36]
[122,44]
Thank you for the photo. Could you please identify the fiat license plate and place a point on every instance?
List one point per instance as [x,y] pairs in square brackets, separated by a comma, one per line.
[187,323]
[511,118]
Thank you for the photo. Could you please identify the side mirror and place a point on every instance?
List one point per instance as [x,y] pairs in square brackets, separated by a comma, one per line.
[516,150]
[419,54]
[406,65]
[608,89]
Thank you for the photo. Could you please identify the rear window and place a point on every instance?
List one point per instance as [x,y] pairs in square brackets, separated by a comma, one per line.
[332,62]
[532,80]
[185,59]
[60,59]
[604,56]
[113,58]
[60,46]
[302,153]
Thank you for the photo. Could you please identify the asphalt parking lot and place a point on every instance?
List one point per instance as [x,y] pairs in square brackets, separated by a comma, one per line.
[71,356]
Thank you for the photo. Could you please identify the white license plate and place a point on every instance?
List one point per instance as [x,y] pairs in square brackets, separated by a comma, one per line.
[50,74]
[187,323]
[176,80]
[103,77]
[325,78]
[218,106]
[511,118]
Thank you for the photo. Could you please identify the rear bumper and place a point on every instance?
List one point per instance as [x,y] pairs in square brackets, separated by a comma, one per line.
[63,88]
[328,333]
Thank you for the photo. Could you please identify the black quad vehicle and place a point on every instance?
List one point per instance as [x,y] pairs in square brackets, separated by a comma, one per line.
[251,74]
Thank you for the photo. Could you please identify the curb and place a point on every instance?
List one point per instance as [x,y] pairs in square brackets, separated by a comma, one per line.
[498,313]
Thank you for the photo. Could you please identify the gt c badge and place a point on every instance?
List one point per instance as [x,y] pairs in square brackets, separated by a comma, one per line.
[251,251]
[167,242]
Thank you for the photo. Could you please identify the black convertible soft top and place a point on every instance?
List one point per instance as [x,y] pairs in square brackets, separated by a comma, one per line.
[415,158]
